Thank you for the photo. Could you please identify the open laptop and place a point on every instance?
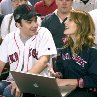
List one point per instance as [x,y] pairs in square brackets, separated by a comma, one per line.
[40,85]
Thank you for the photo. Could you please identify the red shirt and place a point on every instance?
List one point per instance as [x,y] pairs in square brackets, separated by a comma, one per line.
[43,9]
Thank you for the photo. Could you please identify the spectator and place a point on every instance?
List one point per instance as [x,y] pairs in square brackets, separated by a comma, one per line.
[54,21]
[44,7]
[33,1]
[85,5]
[6,6]
[94,17]
[78,58]
[27,49]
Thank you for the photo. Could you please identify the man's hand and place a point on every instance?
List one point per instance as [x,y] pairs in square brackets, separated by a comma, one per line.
[67,82]
[14,89]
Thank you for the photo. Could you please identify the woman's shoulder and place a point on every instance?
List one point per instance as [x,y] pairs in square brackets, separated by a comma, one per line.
[91,51]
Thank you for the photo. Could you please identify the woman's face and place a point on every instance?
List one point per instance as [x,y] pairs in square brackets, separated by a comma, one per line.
[70,27]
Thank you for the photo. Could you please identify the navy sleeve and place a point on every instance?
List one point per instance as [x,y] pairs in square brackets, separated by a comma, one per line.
[90,80]
[59,62]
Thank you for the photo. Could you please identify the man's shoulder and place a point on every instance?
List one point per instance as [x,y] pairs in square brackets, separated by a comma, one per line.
[93,13]
[51,15]
[9,36]
[50,18]
[13,35]
[42,29]
[4,3]
[44,32]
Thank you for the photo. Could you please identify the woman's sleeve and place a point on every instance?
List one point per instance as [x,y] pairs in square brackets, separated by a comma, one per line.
[90,80]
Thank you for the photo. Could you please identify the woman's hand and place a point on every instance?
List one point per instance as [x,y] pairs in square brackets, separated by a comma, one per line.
[61,82]
[55,74]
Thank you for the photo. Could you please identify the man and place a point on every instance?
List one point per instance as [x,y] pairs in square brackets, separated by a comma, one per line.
[85,5]
[54,21]
[27,49]
[47,6]
[6,6]
[8,23]
[94,17]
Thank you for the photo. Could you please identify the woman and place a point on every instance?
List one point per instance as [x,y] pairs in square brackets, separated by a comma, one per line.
[78,59]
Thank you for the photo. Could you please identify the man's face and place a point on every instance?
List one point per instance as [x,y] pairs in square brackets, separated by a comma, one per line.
[64,6]
[16,3]
[29,28]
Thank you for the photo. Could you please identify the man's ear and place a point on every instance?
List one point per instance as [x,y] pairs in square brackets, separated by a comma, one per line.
[17,25]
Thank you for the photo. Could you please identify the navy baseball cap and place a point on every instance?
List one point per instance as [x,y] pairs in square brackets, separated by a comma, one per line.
[25,12]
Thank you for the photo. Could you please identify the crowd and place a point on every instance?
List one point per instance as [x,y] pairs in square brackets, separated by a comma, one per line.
[49,37]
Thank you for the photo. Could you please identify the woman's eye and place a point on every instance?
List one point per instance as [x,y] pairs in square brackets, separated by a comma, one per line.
[70,19]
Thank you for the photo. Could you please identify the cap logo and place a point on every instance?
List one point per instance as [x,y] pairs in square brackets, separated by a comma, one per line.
[28,8]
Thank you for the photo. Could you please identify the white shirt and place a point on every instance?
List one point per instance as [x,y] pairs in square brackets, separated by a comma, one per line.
[5,25]
[90,5]
[93,14]
[13,50]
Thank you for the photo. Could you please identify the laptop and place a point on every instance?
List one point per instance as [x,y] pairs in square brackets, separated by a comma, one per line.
[40,85]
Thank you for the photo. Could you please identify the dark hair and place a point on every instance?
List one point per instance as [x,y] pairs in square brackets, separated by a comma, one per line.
[25,12]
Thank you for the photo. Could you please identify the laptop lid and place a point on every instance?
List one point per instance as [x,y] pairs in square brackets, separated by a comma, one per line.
[39,85]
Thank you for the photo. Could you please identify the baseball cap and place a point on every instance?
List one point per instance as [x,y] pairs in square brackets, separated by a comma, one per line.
[25,12]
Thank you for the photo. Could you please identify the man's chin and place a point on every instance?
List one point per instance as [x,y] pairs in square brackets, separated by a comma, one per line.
[32,34]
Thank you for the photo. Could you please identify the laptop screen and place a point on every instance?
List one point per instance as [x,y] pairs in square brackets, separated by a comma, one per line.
[38,84]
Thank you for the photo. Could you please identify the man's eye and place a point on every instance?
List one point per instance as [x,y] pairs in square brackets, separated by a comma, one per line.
[35,20]
[29,22]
